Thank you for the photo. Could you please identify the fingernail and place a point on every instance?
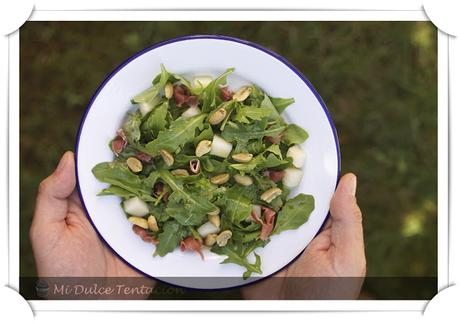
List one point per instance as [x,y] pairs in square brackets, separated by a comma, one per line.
[351,187]
[62,162]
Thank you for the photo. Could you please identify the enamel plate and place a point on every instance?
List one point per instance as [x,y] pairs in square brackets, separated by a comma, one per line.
[205,55]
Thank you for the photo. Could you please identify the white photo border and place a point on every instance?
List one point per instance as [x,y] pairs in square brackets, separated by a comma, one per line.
[231,15]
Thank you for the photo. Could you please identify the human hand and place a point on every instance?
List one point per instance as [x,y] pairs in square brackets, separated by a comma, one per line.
[333,265]
[64,242]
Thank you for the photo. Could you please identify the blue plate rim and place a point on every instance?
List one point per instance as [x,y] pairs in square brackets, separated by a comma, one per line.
[187,38]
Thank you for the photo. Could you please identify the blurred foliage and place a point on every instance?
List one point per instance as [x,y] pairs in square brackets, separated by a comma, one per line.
[378,80]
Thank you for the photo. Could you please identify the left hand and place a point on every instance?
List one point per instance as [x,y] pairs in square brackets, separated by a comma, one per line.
[64,242]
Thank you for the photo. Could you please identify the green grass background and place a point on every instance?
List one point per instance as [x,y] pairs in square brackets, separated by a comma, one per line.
[378,80]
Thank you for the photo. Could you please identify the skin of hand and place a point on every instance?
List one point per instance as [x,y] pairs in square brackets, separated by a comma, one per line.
[64,242]
[333,265]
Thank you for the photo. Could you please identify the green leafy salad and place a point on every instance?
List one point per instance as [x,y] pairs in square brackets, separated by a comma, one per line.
[200,165]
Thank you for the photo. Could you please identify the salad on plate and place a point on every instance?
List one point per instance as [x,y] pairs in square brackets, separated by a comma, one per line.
[198,165]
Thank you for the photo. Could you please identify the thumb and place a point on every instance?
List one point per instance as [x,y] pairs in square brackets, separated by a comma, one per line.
[347,229]
[53,192]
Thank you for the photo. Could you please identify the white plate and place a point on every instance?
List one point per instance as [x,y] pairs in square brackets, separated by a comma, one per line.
[198,55]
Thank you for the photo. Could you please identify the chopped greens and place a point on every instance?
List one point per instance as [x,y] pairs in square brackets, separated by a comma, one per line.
[210,167]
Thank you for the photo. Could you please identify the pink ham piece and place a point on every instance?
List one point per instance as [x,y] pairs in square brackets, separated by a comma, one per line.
[191,243]
[143,157]
[158,190]
[274,175]
[182,96]
[119,143]
[267,227]
[268,222]
[143,234]
[226,94]
[192,101]
[273,139]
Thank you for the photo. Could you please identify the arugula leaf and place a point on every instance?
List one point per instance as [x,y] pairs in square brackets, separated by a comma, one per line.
[206,188]
[235,205]
[210,93]
[251,165]
[253,146]
[237,253]
[245,233]
[155,122]
[250,247]
[271,161]
[213,166]
[294,134]
[188,207]
[151,179]
[264,183]
[179,78]
[246,226]
[259,162]
[246,113]
[150,95]
[162,78]
[206,134]
[118,174]
[229,107]
[246,237]
[294,213]
[192,180]
[256,97]
[242,132]
[281,103]
[275,149]
[180,132]
[268,105]
[158,211]
[182,211]
[182,160]
[193,232]
[131,127]
[116,191]
[169,239]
